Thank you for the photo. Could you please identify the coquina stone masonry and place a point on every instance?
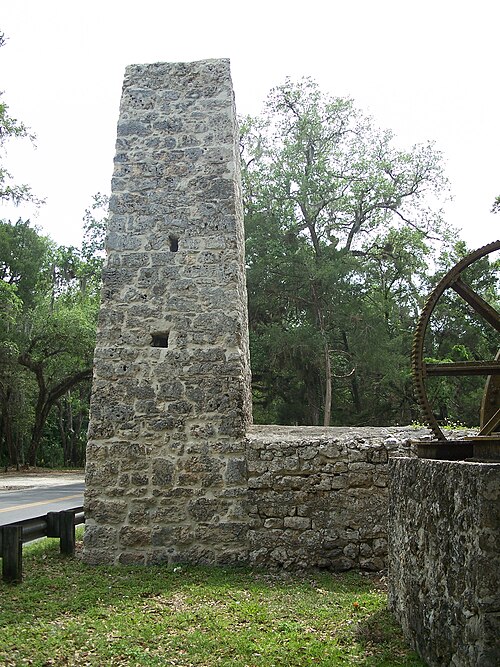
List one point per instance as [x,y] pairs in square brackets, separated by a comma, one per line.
[444,547]
[174,470]
[318,497]
[166,471]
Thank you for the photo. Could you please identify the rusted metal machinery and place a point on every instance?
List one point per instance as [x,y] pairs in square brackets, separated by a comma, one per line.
[486,444]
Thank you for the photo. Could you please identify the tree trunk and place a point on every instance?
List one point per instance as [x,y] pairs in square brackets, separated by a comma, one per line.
[8,429]
[47,399]
[353,379]
[41,414]
[328,364]
[328,387]
[76,459]
[62,431]
[9,439]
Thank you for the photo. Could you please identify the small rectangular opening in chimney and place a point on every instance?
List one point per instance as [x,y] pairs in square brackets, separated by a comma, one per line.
[159,339]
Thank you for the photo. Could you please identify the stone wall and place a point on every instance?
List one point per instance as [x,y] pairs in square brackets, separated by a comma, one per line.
[170,405]
[171,475]
[318,497]
[444,574]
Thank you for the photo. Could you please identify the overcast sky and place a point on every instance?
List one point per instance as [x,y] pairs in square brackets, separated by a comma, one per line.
[427,70]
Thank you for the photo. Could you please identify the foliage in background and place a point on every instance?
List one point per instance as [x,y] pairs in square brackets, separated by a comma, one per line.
[345,237]
[51,294]
[342,227]
[11,128]
[49,297]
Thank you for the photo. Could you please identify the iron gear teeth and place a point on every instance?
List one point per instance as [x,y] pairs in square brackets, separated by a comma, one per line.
[417,355]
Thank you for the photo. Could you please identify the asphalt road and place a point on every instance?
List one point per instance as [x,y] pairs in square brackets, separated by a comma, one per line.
[30,503]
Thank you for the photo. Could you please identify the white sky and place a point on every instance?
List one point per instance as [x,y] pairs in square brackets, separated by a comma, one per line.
[427,70]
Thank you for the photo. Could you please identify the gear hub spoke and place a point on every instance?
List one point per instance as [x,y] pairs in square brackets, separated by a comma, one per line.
[490,409]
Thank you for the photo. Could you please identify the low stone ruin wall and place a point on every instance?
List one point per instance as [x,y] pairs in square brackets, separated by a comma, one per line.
[444,573]
[295,497]
[318,497]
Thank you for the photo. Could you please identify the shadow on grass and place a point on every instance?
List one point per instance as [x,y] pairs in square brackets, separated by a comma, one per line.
[375,631]
[226,616]
[53,584]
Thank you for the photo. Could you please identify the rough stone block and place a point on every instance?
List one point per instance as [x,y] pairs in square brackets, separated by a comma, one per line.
[297,522]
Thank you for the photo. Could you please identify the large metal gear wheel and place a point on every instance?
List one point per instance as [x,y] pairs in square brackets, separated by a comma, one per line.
[490,408]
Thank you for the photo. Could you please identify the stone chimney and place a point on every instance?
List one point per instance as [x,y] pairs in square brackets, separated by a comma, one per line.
[166,470]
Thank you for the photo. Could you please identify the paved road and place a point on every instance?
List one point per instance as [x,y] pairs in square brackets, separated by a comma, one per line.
[30,503]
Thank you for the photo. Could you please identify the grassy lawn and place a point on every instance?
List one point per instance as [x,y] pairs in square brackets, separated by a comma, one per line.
[66,613]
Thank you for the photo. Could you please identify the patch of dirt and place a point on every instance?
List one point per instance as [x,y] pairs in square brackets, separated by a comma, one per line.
[28,470]
[16,480]
[378,579]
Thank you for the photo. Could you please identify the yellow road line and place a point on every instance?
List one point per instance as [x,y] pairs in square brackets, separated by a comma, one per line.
[40,502]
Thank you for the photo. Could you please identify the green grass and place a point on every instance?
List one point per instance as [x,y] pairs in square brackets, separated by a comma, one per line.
[67,613]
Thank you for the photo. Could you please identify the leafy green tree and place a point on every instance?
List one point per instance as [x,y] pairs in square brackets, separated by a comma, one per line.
[72,423]
[10,307]
[380,334]
[323,190]
[496,205]
[51,297]
[48,307]
[328,172]
[12,128]
[24,269]
[58,352]
[95,223]
[25,260]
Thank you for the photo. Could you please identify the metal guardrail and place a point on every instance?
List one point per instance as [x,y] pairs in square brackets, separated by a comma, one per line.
[53,524]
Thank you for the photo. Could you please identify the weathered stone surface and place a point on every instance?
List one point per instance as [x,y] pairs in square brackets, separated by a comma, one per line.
[318,496]
[171,395]
[170,474]
[444,574]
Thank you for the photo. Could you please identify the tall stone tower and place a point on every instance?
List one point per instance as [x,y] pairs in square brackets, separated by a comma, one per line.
[166,472]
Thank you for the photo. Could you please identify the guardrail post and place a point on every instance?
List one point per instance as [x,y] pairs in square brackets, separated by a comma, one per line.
[53,524]
[67,531]
[12,554]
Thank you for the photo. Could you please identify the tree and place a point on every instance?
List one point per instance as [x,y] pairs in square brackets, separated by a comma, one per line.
[24,275]
[95,222]
[48,305]
[322,187]
[59,354]
[10,307]
[25,260]
[12,128]
[394,273]
[51,297]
